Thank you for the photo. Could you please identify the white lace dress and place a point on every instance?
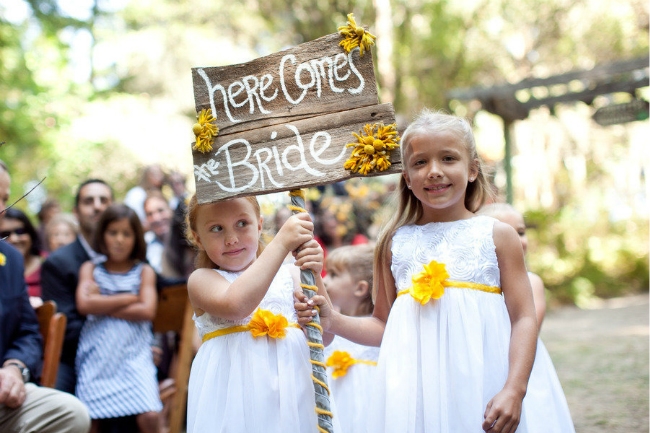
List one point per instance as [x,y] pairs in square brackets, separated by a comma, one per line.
[353,390]
[441,363]
[243,384]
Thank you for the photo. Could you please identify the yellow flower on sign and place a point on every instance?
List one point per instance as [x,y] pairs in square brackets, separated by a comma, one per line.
[264,322]
[372,149]
[3,259]
[340,361]
[205,131]
[355,36]
[430,283]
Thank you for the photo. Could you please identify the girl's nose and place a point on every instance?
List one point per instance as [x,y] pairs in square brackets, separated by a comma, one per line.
[231,239]
[435,170]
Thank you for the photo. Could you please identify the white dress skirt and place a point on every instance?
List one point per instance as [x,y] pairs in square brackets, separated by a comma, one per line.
[442,362]
[241,384]
[352,390]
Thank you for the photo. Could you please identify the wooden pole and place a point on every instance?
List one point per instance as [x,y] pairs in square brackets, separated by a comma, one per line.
[314,337]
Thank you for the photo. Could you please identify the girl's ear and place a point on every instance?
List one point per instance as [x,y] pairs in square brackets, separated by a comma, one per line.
[260,224]
[362,289]
[197,239]
[405,175]
[473,170]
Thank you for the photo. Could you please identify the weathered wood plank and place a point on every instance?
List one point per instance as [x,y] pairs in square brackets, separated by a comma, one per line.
[312,79]
[295,154]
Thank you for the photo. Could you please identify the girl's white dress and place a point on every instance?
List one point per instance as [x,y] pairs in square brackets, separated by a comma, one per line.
[353,390]
[239,383]
[442,362]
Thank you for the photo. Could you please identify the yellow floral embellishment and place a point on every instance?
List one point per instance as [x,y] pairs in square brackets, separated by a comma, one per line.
[205,131]
[3,259]
[340,361]
[430,283]
[264,322]
[355,36]
[372,148]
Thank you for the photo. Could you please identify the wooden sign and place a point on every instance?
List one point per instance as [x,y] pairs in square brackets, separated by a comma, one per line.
[284,120]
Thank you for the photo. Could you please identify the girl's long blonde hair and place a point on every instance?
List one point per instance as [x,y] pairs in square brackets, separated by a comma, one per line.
[409,208]
[202,260]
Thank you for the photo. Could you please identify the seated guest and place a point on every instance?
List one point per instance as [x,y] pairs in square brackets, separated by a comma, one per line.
[159,217]
[17,229]
[61,230]
[24,406]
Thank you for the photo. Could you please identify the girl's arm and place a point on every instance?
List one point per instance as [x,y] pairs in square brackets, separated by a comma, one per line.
[210,292]
[368,331]
[503,412]
[145,308]
[90,301]
[539,297]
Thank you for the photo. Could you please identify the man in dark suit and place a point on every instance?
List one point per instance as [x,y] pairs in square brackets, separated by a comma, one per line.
[24,406]
[60,272]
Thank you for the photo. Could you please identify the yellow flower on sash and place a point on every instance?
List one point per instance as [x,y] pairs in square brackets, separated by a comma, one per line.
[264,322]
[340,361]
[355,36]
[429,284]
[204,131]
[3,259]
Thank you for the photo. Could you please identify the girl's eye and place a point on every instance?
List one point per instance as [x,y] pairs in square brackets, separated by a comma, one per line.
[215,229]
[448,158]
[242,223]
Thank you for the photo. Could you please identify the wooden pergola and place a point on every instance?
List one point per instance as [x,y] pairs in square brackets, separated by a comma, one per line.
[514,102]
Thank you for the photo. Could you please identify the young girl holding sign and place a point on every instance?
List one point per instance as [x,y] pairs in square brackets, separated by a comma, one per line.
[458,345]
[252,373]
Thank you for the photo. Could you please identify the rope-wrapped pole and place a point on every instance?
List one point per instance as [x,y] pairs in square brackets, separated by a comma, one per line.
[314,337]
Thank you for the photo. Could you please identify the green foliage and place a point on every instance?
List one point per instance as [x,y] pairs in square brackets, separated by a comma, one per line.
[580,259]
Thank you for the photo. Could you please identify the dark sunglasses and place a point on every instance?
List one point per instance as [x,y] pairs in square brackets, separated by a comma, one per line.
[6,233]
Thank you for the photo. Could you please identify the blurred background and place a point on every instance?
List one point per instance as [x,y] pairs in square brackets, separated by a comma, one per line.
[103,88]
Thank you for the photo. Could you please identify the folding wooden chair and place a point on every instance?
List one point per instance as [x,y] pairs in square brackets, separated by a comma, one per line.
[174,313]
[52,327]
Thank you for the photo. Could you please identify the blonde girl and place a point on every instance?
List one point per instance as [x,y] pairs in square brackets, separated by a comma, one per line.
[351,366]
[458,345]
[252,373]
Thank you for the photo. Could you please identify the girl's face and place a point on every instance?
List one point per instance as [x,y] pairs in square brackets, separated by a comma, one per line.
[60,235]
[516,221]
[229,232]
[119,238]
[341,287]
[437,168]
[14,231]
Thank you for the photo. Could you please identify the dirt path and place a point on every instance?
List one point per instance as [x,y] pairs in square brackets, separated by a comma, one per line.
[601,357]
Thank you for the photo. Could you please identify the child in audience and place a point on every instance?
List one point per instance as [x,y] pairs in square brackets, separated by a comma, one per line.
[116,376]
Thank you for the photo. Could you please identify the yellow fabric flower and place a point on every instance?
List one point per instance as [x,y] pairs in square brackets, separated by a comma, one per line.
[430,283]
[372,149]
[3,259]
[340,361]
[355,36]
[205,131]
[264,322]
